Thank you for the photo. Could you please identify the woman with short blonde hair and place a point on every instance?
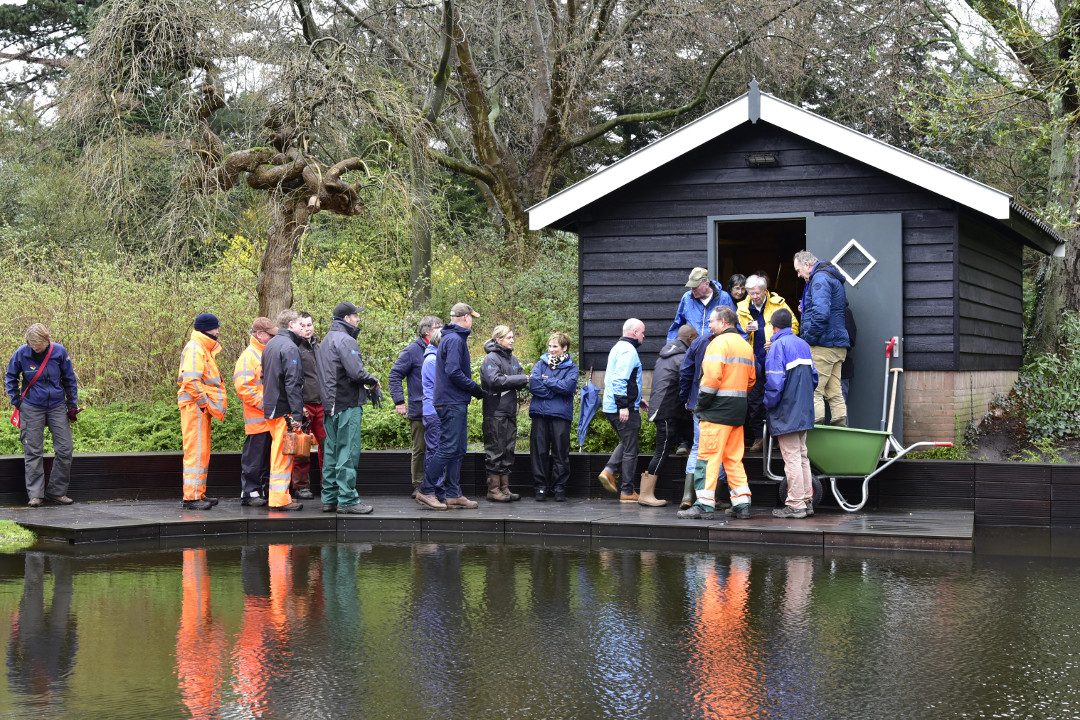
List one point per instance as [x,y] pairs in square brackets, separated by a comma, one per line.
[41,384]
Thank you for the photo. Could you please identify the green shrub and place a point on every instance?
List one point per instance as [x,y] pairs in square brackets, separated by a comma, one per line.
[1047,393]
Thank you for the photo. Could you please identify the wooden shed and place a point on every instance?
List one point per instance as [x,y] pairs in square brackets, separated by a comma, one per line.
[932,256]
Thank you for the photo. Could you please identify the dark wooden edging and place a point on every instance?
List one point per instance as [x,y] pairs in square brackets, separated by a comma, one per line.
[1025,494]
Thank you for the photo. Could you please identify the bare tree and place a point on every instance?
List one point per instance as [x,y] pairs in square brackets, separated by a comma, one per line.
[165,69]
[1029,52]
[512,88]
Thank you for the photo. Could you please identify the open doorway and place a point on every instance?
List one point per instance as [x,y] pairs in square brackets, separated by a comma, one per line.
[751,247]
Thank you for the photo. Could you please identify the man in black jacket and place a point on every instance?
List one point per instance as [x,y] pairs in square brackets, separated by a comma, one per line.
[667,410]
[306,469]
[283,403]
[344,385]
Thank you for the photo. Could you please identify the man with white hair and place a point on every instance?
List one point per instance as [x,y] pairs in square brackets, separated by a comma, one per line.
[755,316]
[622,400]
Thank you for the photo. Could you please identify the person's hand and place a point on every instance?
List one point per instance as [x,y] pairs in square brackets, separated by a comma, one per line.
[768,344]
[645,405]
[291,422]
[624,415]
[751,326]
[401,409]
[73,414]
[307,413]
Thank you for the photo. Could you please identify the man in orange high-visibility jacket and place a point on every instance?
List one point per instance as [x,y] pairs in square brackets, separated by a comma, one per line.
[247,379]
[727,374]
[200,397]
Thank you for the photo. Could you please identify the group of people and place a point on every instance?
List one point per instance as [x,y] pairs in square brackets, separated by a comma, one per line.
[731,368]
[732,361]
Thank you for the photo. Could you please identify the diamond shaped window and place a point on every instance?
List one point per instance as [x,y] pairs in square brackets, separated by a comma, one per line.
[854,261]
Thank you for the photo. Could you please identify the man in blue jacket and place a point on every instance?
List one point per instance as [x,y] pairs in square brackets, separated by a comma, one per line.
[407,368]
[454,387]
[790,380]
[622,398]
[824,329]
[697,304]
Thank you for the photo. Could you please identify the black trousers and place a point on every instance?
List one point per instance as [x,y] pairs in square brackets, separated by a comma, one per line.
[255,465]
[624,458]
[500,438]
[755,409]
[668,433]
[549,447]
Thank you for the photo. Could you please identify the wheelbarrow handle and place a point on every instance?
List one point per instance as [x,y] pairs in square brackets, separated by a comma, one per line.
[943,444]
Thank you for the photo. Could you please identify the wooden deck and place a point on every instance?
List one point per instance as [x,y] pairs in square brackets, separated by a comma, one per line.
[398,517]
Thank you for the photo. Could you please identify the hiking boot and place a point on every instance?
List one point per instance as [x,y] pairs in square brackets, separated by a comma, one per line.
[683,450]
[648,487]
[809,508]
[607,479]
[65,500]
[360,508]
[414,491]
[631,498]
[494,493]
[540,495]
[429,501]
[35,502]
[560,495]
[291,507]
[213,501]
[755,447]
[304,494]
[504,485]
[329,507]
[689,495]
[461,503]
[694,512]
[739,512]
[789,512]
[196,505]
[253,502]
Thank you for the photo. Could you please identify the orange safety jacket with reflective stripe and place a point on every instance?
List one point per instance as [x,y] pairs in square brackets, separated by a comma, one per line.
[247,379]
[727,375]
[200,379]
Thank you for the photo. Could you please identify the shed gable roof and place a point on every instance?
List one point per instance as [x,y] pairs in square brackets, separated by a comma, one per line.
[753,106]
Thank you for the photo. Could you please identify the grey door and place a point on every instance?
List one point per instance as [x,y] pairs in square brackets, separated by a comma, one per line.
[869,249]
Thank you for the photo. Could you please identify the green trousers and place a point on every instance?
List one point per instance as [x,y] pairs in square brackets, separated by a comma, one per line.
[341,456]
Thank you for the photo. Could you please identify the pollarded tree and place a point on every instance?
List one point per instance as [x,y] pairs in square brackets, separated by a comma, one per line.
[165,72]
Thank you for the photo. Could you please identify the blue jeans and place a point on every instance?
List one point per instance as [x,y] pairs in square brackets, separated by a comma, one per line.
[432,432]
[453,441]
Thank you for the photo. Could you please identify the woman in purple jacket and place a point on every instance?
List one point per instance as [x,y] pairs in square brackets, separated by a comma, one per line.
[50,401]
[553,384]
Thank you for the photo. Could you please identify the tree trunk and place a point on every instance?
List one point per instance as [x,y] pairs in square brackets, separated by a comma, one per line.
[274,286]
[1057,284]
[420,207]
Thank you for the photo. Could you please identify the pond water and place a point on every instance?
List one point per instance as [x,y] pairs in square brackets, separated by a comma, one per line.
[443,630]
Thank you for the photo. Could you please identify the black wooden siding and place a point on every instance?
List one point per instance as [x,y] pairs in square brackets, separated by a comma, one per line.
[638,244]
[990,298]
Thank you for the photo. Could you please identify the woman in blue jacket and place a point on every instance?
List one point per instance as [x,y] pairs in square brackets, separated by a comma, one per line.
[432,424]
[553,383]
[50,401]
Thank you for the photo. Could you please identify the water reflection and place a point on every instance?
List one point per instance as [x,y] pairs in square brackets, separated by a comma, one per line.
[440,630]
[43,641]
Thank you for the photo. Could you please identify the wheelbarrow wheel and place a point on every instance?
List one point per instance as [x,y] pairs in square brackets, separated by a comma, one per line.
[819,491]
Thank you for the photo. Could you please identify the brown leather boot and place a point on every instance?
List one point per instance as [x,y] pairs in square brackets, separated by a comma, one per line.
[504,485]
[648,487]
[494,494]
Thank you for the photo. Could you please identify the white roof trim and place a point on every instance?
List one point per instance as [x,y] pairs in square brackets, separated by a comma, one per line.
[803,123]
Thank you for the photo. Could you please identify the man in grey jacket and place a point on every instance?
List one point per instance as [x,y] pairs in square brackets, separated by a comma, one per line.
[344,385]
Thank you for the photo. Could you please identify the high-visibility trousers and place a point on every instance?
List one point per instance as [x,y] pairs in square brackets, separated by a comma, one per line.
[280,464]
[195,427]
[720,445]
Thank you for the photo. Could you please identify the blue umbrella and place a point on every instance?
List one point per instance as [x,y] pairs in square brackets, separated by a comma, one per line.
[590,403]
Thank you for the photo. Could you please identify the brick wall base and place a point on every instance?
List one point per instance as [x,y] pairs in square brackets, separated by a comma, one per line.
[940,405]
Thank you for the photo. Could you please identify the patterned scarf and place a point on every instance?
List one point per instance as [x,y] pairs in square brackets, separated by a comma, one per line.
[554,362]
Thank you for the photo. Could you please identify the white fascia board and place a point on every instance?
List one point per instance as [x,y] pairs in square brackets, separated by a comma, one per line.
[637,164]
[885,157]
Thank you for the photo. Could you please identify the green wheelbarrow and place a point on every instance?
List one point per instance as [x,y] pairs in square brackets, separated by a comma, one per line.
[846,453]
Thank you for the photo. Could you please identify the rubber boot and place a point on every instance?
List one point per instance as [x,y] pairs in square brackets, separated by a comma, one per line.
[504,485]
[493,493]
[689,496]
[648,487]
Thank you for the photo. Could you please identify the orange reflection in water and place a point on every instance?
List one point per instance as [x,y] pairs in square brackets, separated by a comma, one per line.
[200,642]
